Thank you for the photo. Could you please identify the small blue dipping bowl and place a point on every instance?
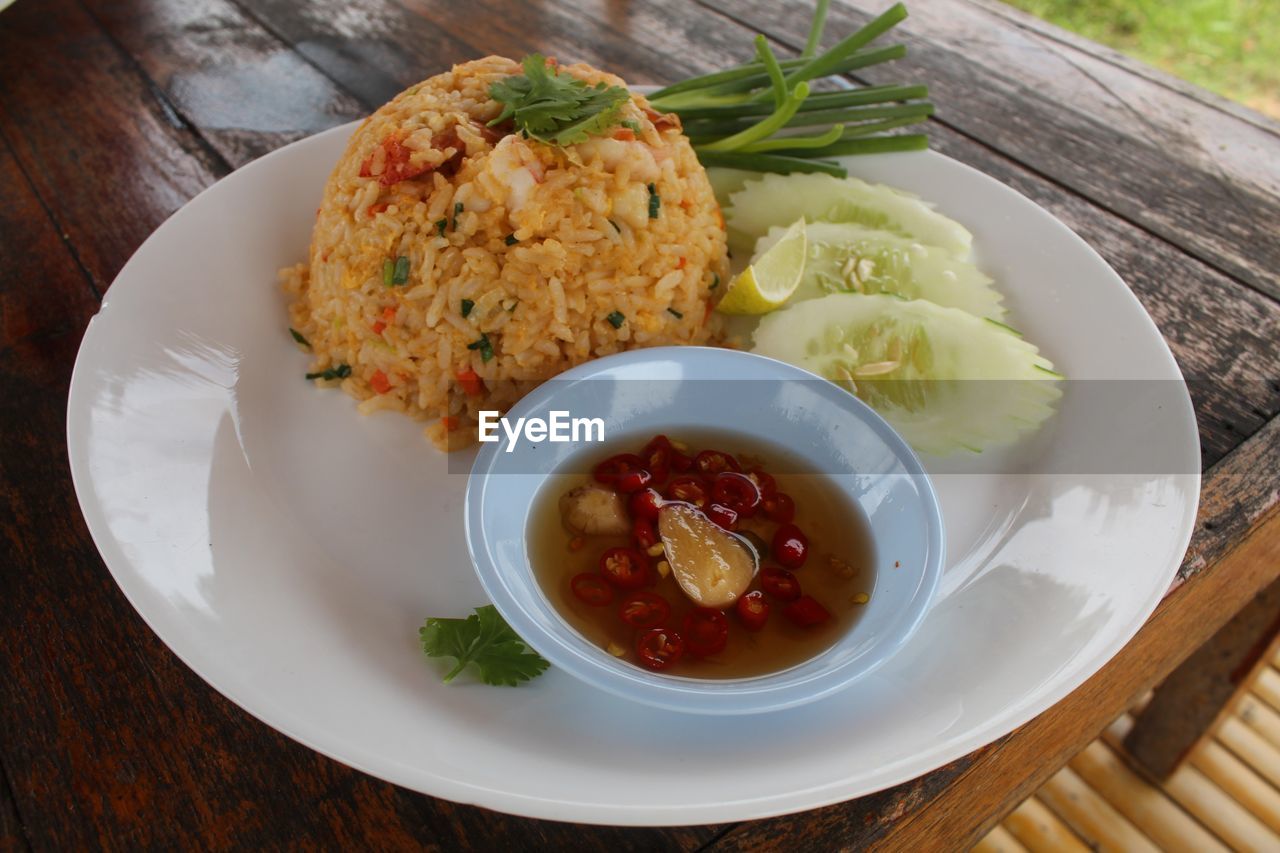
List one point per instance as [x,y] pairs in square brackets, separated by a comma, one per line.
[666,390]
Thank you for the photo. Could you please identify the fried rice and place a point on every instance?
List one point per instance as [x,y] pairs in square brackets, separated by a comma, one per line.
[454,266]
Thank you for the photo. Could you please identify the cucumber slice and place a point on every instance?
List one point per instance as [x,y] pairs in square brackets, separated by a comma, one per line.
[943,378]
[848,258]
[782,199]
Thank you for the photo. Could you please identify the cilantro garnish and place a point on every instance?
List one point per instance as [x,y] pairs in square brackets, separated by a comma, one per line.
[556,108]
[485,639]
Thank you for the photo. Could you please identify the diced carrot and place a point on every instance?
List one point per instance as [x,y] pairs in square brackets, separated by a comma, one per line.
[680,264]
[375,209]
[686,203]
[471,382]
[624,134]
[450,423]
[378,327]
[389,314]
[379,382]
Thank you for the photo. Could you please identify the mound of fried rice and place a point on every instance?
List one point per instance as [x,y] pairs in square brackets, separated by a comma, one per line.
[455,266]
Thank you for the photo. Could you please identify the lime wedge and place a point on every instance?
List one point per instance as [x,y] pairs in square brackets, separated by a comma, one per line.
[769,282]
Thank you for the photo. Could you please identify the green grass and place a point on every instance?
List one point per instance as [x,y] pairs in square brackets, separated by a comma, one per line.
[1231,47]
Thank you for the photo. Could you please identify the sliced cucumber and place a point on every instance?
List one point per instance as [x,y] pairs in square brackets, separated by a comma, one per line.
[782,199]
[848,258]
[945,379]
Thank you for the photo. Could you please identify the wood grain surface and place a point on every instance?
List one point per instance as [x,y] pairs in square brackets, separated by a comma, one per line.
[113,113]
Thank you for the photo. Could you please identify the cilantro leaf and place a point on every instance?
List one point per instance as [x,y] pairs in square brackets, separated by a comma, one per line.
[556,108]
[485,639]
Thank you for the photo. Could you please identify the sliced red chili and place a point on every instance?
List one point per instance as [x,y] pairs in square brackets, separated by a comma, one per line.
[681,462]
[723,516]
[644,610]
[714,461]
[689,488]
[589,587]
[779,507]
[646,503]
[753,610]
[633,481]
[659,648]
[625,568]
[736,491]
[806,612]
[643,533]
[764,481]
[657,457]
[779,583]
[706,632]
[790,546]
[612,470]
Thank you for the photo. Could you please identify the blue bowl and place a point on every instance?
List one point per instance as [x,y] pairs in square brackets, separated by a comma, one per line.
[666,390]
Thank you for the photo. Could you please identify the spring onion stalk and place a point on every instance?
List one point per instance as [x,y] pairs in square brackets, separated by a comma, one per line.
[821,66]
[738,88]
[815,29]
[770,62]
[770,163]
[779,143]
[739,117]
[766,127]
[706,130]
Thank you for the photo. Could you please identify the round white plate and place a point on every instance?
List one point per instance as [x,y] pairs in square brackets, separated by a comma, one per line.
[287,549]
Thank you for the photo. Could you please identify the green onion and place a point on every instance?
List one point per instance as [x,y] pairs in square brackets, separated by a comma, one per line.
[821,66]
[616,319]
[834,134]
[467,305]
[655,202]
[766,127]
[700,129]
[631,124]
[485,347]
[401,273]
[784,165]
[815,28]
[342,371]
[735,117]
[297,336]
[457,208]
[511,240]
[715,281]
[388,272]
[674,313]
[771,65]
[442,224]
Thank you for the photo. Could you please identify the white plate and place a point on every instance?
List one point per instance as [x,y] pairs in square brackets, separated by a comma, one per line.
[287,549]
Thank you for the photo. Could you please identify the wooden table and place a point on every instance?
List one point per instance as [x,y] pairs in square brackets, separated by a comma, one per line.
[115,112]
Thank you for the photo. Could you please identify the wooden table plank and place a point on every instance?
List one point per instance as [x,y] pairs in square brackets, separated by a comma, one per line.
[42,286]
[1009,88]
[1178,97]
[1220,331]
[1186,706]
[244,90]
[12,838]
[106,155]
